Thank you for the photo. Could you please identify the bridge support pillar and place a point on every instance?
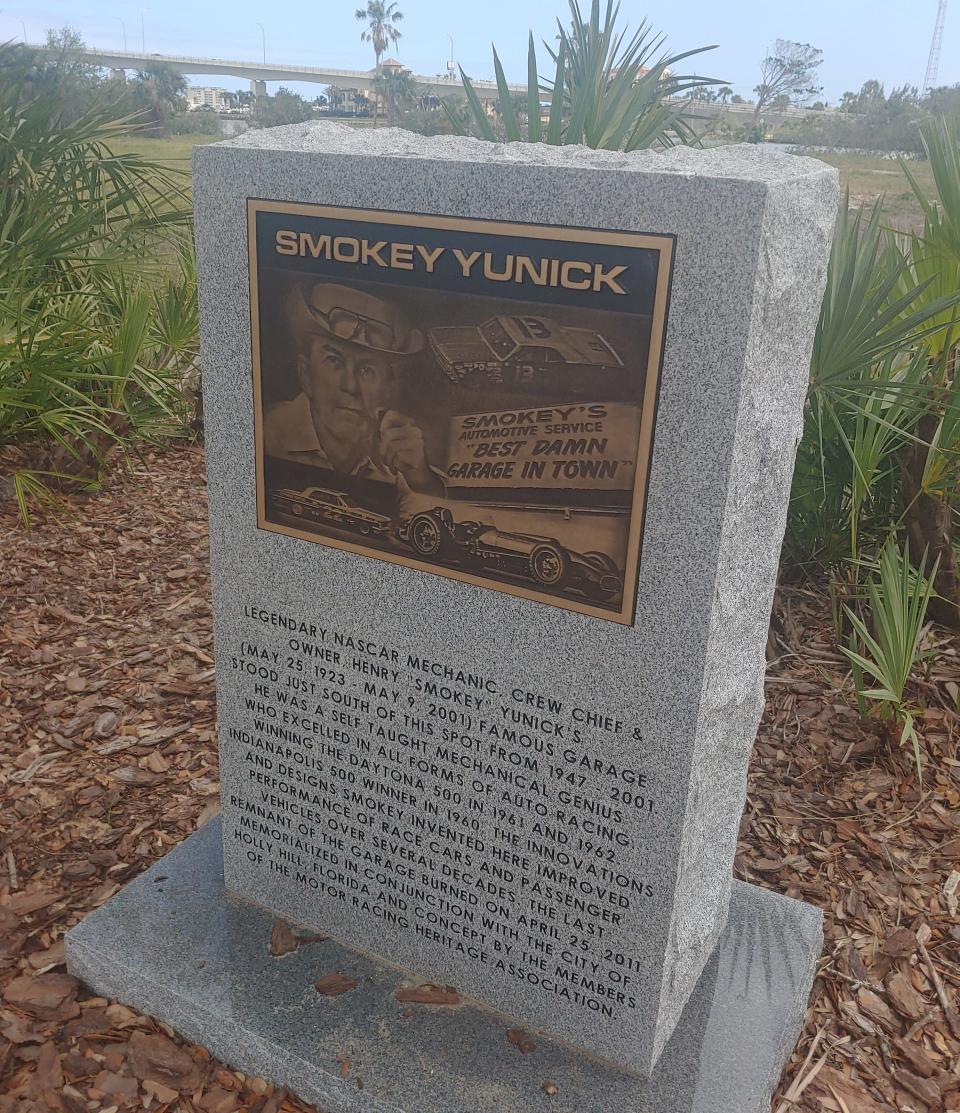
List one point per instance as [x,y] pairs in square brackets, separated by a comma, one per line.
[117,74]
[258,87]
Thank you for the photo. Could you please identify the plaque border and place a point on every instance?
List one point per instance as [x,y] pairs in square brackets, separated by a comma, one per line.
[663,243]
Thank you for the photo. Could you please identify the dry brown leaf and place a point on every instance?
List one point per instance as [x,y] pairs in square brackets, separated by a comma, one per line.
[918,1058]
[133,775]
[282,939]
[23,904]
[901,943]
[428,994]
[904,997]
[332,985]
[18,1030]
[877,1009]
[153,1056]
[48,996]
[49,1072]
[521,1041]
[159,1092]
[218,1100]
[926,1089]
[52,956]
[110,1084]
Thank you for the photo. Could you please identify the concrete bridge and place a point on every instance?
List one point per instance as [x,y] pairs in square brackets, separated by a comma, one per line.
[258,73]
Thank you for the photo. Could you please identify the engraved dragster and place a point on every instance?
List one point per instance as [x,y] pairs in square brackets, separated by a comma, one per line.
[435,534]
[522,351]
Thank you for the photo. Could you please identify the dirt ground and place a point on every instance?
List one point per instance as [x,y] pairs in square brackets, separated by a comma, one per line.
[108,759]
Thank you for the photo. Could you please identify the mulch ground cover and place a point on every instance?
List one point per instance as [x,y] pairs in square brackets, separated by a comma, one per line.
[108,759]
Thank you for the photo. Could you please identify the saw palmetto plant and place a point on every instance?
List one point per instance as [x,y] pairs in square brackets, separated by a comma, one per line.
[610,89]
[878,470]
[97,316]
[872,380]
[941,142]
[880,449]
[886,649]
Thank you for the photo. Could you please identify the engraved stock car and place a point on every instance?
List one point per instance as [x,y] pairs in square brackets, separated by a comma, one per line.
[435,534]
[522,351]
[319,504]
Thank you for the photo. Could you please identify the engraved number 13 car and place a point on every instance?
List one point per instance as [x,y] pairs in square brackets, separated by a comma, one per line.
[522,351]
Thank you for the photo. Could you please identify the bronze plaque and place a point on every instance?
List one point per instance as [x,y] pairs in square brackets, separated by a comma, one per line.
[470,398]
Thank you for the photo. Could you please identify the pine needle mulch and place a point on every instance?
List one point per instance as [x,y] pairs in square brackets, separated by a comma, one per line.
[108,759]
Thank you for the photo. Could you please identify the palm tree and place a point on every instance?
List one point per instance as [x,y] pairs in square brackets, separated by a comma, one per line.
[398,90]
[160,87]
[381,19]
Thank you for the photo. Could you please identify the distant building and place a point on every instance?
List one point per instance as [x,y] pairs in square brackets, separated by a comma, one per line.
[206,96]
[345,102]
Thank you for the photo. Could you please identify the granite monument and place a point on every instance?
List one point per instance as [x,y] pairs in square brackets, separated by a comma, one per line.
[500,442]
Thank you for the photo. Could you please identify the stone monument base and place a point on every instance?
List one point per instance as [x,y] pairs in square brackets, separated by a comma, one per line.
[173,944]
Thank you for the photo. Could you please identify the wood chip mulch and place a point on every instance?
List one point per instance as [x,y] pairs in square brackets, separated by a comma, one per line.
[108,760]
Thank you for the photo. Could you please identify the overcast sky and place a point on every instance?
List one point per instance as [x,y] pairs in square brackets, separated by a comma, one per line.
[860,39]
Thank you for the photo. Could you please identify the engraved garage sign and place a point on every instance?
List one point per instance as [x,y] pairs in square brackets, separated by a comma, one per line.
[466,397]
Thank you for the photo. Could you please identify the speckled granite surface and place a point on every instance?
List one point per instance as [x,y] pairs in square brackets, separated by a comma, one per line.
[752,235]
[175,945]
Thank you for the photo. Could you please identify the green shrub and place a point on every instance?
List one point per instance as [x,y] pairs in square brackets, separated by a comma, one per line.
[194,123]
[878,468]
[888,652]
[609,90]
[881,447]
[97,291]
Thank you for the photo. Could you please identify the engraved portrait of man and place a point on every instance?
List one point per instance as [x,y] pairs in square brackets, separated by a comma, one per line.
[352,351]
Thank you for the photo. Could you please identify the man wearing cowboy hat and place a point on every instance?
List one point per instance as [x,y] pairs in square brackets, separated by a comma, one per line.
[351,347]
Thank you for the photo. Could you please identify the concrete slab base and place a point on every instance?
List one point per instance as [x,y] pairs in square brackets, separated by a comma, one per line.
[174,945]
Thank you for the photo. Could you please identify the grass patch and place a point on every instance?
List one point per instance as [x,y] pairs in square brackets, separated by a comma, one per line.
[871,178]
[174,151]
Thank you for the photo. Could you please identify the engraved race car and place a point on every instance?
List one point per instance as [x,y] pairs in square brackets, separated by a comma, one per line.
[435,535]
[522,351]
[319,504]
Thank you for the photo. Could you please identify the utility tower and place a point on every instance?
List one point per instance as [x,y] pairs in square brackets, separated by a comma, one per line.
[933,62]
